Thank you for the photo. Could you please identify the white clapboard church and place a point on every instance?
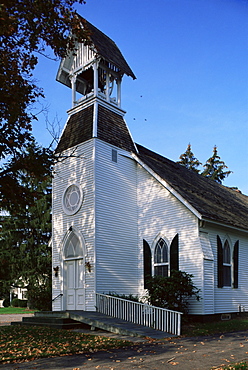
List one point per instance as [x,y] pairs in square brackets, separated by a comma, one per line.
[122,212]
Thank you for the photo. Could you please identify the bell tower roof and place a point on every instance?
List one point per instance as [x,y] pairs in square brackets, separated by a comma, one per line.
[76,69]
[107,48]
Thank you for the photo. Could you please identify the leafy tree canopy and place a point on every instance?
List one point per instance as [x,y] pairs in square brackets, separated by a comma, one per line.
[27,29]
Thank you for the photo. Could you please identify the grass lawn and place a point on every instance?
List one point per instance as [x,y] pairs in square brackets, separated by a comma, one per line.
[14,310]
[215,327]
[19,343]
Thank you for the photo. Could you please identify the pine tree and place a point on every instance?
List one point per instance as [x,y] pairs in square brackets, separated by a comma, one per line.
[188,160]
[25,231]
[215,168]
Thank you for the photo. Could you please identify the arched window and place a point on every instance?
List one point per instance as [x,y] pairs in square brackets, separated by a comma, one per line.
[161,262]
[73,246]
[226,264]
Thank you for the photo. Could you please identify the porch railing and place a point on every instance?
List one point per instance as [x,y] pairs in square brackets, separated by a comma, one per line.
[140,313]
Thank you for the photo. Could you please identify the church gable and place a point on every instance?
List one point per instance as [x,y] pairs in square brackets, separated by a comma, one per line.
[213,201]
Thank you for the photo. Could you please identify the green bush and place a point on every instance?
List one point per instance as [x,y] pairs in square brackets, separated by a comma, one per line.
[6,302]
[19,302]
[40,297]
[15,302]
[128,297]
[23,303]
[172,292]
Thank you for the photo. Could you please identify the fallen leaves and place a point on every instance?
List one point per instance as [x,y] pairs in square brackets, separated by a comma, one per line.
[20,343]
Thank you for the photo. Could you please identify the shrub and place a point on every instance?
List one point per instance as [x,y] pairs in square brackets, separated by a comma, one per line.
[172,292]
[19,302]
[40,297]
[128,297]
[23,303]
[15,302]
[6,302]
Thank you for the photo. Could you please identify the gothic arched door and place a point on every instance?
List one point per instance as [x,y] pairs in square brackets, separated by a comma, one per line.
[74,292]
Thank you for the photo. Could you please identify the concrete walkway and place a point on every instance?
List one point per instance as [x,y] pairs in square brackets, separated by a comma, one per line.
[7,319]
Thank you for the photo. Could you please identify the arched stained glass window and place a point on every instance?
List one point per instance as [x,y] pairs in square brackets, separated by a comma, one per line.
[73,247]
[161,262]
[226,264]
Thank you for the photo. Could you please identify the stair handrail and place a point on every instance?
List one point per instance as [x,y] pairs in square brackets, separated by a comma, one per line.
[59,295]
[140,313]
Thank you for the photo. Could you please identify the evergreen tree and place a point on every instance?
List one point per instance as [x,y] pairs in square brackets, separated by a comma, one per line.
[25,254]
[189,161]
[215,168]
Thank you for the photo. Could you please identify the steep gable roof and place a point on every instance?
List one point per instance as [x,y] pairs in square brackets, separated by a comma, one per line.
[213,201]
[111,128]
[107,48]
[77,130]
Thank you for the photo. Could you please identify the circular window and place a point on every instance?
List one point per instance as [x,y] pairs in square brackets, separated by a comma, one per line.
[72,199]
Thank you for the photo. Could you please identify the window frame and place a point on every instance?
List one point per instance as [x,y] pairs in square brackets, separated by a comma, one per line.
[162,263]
[227,265]
[74,187]
[232,265]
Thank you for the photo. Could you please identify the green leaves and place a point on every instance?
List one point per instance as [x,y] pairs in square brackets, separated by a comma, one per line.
[27,29]
[172,292]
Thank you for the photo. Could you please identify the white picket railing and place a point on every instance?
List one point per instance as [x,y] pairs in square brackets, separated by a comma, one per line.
[140,313]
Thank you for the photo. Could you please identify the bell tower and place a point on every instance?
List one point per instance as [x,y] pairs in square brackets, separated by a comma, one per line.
[94,69]
[94,72]
[88,188]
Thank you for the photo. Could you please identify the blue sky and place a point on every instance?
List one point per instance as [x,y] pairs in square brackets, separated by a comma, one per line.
[190,58]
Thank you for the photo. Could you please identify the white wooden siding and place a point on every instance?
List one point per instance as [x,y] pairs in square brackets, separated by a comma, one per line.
[207,292]
[116,222]
[77,168]
[228,299]
[161,214]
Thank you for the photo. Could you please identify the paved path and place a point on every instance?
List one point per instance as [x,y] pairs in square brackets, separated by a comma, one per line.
[201,353]
[7,319]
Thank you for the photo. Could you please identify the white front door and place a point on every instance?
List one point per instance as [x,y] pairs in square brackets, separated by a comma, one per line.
[74,285]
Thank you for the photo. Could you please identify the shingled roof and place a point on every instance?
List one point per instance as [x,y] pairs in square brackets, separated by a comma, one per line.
[213,201]
[111,128]
[107,48]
